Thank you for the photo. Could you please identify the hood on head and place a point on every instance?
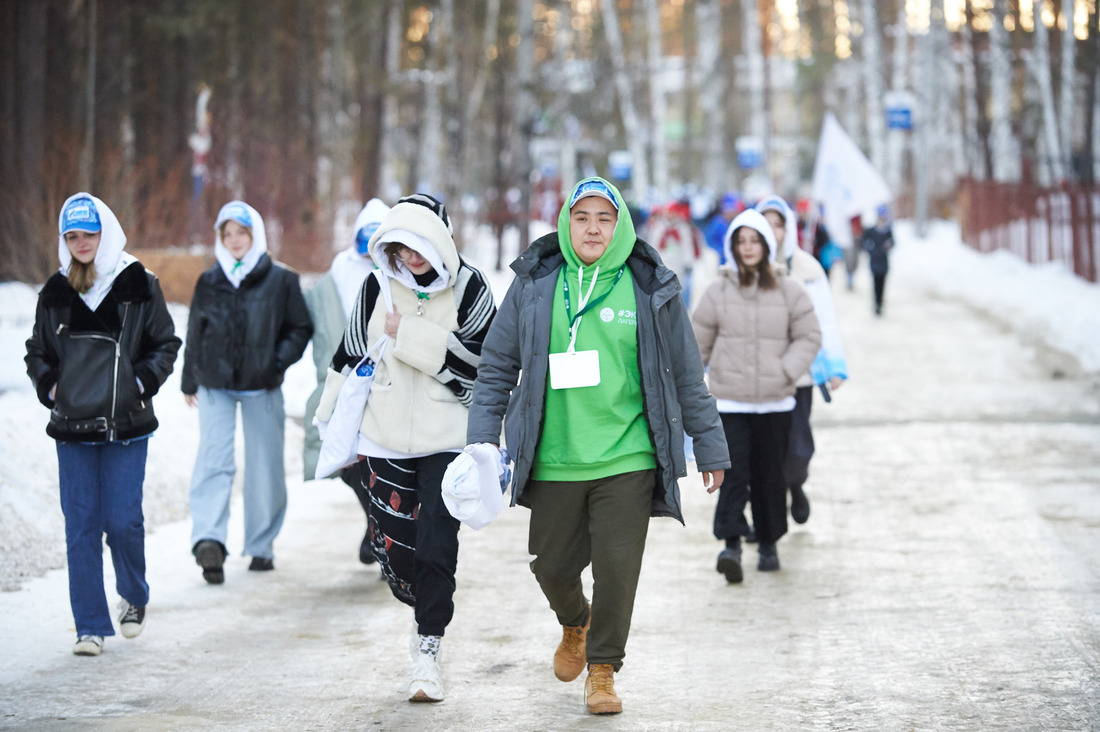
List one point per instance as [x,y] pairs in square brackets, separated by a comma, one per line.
[112,240]
[790,238]
[244,215]
[622,240]
[753,219]
[367,222]
[420,227]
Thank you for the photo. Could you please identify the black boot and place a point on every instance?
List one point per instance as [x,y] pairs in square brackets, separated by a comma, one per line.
[769,557]
[366,556]
[729,561]
[210,555]
[800,505]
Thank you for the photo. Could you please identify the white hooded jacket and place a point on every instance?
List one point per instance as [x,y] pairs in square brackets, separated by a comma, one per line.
[110,259]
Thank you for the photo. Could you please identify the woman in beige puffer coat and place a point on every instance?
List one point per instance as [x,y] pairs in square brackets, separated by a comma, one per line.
[757,334]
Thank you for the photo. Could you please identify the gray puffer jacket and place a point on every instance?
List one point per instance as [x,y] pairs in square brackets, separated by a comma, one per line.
[674,393]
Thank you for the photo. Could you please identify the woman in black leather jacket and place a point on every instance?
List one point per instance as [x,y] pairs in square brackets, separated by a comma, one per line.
[103,345]
[249,322]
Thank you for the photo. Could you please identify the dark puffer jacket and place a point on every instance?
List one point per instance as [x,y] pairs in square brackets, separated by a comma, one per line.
[97,358]
[245,338]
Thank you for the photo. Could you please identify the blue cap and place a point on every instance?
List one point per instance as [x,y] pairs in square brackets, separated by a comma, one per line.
[236,212]
[80,214]
[884,211]
[362,239]
[593,187]
[731,201]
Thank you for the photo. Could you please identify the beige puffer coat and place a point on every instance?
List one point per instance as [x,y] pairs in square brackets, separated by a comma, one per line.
[756,343]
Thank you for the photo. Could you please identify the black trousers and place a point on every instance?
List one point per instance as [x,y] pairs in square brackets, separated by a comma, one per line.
[880,288]
[800,441]
[413,536]
[758,446]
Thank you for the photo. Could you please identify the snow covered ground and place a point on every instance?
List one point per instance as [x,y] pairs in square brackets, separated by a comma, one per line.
[1044,303]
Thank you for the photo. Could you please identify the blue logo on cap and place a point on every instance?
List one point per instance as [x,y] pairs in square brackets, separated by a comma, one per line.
[593,187]
[80,215]
[238,213]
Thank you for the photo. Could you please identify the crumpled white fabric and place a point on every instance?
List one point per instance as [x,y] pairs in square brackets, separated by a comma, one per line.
[473,485]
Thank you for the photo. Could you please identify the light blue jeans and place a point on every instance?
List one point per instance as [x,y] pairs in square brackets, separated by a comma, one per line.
[263,423]
[101,487]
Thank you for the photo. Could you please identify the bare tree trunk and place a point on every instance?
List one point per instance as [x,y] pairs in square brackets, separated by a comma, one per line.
[1003,153]
[1040,69]
[712,91]
[896,138]
[87,155]
[872,80]
[525,114]
[389,113]
[754,68]
[631,127]
[980,121]
[1092,99]
[973,111]
[1069,86]
[656,98]
[427,178]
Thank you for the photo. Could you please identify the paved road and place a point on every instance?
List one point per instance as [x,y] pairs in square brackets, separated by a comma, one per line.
[948,579]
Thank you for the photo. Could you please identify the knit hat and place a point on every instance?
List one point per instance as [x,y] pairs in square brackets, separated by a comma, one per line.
[79,214]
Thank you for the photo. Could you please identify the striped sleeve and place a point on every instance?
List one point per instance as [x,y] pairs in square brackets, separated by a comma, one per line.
[475,314]
[353,346]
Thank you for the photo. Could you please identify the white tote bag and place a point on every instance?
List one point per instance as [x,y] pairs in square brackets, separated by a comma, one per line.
[340,435]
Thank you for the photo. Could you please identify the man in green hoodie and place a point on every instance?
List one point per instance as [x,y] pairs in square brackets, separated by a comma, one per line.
[611,380]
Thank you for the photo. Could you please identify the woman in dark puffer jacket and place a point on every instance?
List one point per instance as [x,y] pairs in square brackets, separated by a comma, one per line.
[103,345]
[248,324]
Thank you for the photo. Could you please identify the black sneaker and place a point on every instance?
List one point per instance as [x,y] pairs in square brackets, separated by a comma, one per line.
[366,556]
[800,505]
[262,564]
[210,555]
[131,619]
[750,538]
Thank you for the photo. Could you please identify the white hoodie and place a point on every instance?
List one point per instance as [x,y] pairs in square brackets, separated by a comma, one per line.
[110,259]
[236,272]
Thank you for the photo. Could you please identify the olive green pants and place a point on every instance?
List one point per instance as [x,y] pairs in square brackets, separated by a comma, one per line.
[601,522]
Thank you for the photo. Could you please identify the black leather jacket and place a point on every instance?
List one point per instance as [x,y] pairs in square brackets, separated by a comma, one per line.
[244,338]
[97,358]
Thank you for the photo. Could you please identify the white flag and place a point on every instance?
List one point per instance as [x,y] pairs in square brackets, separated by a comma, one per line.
[845,182]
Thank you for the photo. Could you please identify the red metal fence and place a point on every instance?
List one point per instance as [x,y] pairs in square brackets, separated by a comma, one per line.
[1037,224]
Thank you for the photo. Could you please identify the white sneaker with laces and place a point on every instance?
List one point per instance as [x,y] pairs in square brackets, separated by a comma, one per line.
[425,683]
[88,645]
[131,619]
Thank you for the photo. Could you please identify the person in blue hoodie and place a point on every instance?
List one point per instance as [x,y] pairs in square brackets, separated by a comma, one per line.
[103,345]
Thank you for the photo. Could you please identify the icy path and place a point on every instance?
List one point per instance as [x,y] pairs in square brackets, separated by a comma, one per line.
[948,579]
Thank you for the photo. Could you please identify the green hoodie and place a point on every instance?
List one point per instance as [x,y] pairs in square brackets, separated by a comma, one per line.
[596,431]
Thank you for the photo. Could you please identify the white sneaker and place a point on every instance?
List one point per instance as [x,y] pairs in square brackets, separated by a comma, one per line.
[425,684]
[88,645]
[131,619]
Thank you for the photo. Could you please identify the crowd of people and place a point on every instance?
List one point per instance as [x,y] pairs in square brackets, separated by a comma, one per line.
[607,368]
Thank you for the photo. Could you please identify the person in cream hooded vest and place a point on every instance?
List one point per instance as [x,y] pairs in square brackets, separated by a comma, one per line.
[414,423]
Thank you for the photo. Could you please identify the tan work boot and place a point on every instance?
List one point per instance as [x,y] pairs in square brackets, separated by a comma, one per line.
[569,658]
[599,690]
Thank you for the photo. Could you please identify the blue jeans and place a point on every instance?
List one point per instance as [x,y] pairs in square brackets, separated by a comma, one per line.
[101,490]
[263,422]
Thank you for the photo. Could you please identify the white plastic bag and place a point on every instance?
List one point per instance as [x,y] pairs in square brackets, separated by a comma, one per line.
[340,434]
[474,483]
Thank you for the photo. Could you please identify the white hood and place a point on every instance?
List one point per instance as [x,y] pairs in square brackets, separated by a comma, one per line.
[790,238]
[234,273]
[421,230]
[754,220]
[110,259]
[349,268]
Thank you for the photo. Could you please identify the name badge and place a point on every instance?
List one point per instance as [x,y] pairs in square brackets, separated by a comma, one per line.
[574,369]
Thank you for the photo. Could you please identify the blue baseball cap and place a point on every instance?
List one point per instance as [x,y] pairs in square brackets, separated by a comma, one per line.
[236,212]
[80,214]
[593,187]
[362,238]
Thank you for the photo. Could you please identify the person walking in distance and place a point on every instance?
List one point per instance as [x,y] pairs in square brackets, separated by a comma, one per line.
[757,332]
[248,324]
[592,369]
[877,242]
[103,344]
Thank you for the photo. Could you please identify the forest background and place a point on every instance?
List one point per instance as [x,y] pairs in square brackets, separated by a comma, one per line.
[166,109]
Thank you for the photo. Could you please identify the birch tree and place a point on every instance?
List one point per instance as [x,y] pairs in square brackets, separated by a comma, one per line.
[872,80]
[656,98]
[898,85]
[712,92]
[754,70]
[1040,71]
[635,141]
[1003,152]
[1069,86]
